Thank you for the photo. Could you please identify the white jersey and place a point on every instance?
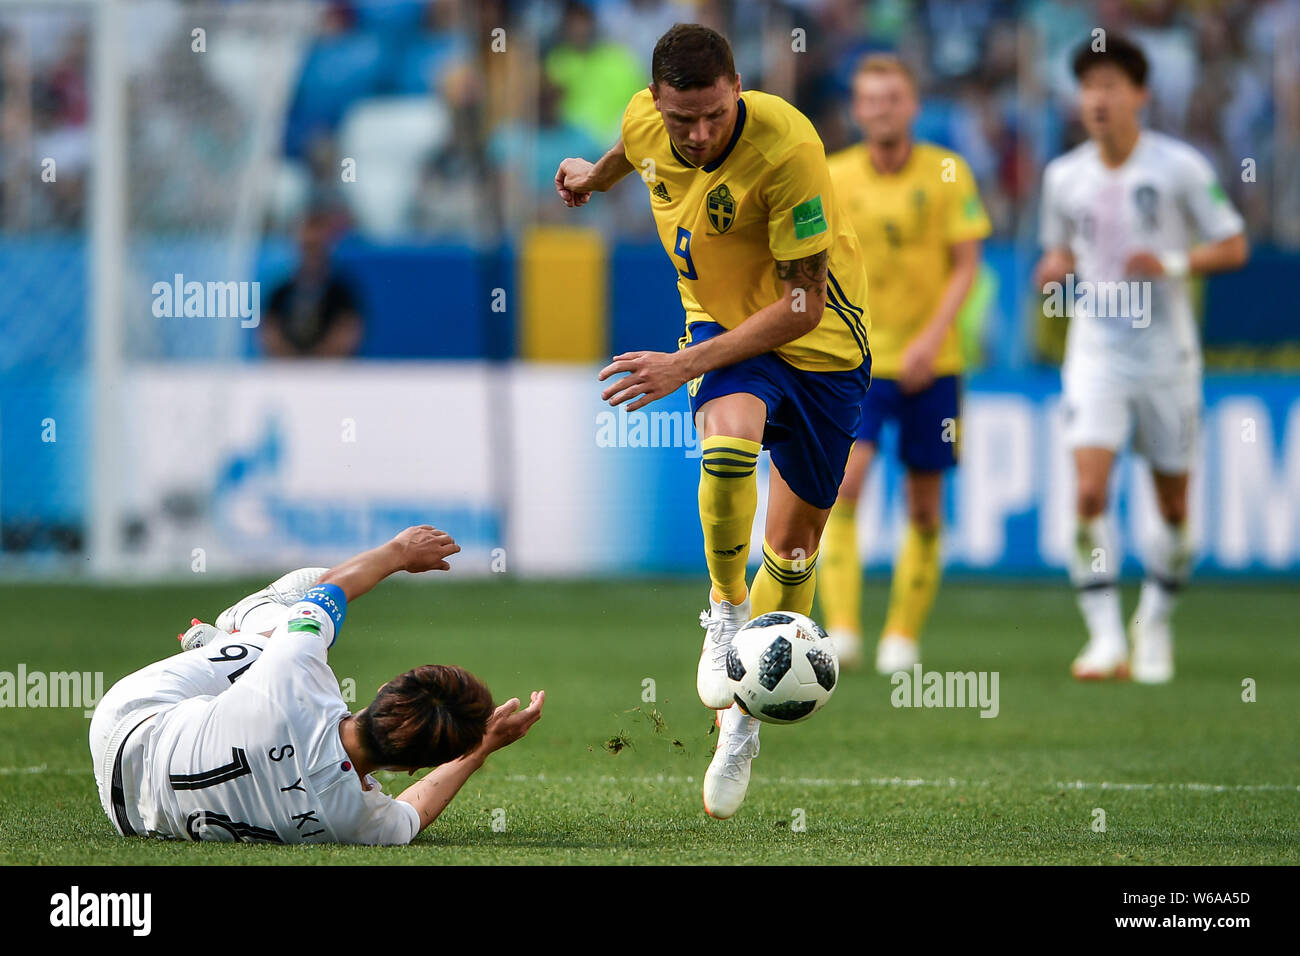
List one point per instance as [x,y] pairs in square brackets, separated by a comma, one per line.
[263,760]
[1164,199]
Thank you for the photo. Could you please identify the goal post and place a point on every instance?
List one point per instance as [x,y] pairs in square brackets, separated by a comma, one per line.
[108,238]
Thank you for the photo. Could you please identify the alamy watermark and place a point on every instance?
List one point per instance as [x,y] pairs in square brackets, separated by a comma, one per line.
[917,688]
[1127,299]
[179,299]
[81,690]
[642,429]
[75,908]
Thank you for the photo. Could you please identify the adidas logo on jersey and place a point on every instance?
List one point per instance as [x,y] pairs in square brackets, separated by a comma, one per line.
[660,192]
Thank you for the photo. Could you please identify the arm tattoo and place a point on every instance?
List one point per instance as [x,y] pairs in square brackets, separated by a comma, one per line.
[809,273]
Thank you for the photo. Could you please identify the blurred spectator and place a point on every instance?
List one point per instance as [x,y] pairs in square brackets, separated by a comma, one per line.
[994,75]
[314,313]
[426,60]
[43,118]
[325,196]
[455,198]
[526,156]
[344,65]
[597,77]
[638,24]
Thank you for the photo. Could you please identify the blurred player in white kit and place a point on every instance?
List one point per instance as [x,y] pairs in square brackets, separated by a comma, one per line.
[1127,218]
[244,735]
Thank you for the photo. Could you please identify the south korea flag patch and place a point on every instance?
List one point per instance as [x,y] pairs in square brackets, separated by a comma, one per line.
[319,613]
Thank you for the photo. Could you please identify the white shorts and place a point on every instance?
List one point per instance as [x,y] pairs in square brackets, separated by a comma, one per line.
[128,714]
[122,724]
[1162,418]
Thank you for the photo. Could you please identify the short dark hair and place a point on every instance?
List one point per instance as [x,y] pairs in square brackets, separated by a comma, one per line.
[691,56]
[1118,51]
[425,717]
[876,64]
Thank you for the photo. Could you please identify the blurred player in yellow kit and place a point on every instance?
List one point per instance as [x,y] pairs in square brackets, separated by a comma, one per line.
[775,351]
[919,219]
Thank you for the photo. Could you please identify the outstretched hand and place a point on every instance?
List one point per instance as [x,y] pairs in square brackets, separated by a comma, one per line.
[425,548]
[508,723]
[650,376]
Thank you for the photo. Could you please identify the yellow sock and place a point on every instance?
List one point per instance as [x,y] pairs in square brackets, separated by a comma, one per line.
[840,594]
[784,584]
[728,500]
[916,580]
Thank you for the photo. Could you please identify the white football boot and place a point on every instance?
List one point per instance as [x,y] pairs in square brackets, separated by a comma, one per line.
[1101,660]
[720,622]
[263,610]
[896,653]
[848,648]
[727,778]
[1153,651]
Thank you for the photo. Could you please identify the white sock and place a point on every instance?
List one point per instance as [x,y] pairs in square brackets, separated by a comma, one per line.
[1094,567]
[1156,603]
[1169,558]
[1102,614]
[734,720]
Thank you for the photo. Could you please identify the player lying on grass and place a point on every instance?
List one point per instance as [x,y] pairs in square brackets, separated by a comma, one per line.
[772,282]
[244,736]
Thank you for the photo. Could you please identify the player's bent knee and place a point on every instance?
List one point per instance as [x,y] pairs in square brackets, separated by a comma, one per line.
[794,548]
[925,521]
[1091,502]
[1173,512]
[1091,494]
[924,494]
[732,416]
[1171,497]
[724,427]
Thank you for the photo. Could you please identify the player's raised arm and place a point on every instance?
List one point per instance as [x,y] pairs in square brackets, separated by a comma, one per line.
[577,179]
[418,548]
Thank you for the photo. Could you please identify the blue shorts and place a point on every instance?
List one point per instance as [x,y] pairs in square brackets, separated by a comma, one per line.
[927,421]
[812,417]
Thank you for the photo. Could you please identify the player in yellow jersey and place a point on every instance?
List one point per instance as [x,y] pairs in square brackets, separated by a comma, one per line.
[775,350]
[918,215]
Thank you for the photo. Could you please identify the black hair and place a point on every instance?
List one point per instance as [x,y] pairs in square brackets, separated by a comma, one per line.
[691,56]
[428,716]
[1118,51]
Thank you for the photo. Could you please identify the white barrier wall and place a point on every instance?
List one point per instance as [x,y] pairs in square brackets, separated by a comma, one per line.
[274,465]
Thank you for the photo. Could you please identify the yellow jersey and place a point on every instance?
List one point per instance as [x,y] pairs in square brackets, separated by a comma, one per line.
[767,198]
[907,222]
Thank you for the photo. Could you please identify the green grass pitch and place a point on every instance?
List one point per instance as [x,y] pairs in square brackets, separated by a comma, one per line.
[1186,773]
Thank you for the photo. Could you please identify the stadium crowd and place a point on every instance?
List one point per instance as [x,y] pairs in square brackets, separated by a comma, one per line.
[1226,76]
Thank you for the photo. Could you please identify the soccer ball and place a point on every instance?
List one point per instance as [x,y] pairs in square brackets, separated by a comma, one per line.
[782,667]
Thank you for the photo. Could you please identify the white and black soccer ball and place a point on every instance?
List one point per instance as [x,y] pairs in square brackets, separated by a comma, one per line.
[782,667]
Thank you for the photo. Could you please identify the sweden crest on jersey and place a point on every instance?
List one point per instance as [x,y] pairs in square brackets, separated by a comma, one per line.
[720,207]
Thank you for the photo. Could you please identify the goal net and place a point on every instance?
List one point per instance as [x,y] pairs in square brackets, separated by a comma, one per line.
[140,148]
